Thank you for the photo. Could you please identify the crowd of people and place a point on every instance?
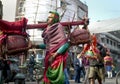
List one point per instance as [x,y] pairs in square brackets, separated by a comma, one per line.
[8,70]
[92,63]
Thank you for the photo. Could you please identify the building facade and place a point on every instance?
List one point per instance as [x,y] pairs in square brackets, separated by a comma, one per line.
[112,43]
[37,10]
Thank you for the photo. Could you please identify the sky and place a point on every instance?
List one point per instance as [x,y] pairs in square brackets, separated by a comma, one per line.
[102,9]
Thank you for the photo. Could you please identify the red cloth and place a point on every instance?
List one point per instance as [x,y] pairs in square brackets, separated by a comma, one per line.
[17,27]
[1,38]
[93,45]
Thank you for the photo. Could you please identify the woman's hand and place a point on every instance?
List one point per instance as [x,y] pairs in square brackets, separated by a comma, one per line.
[54,54]
[52,57]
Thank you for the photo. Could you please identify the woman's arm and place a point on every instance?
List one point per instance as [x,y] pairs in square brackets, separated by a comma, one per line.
[41,46]
[63,48]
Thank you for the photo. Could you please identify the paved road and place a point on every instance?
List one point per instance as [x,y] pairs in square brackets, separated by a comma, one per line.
[107,81]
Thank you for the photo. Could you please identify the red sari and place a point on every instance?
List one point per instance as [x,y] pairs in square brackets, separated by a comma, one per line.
[54,38]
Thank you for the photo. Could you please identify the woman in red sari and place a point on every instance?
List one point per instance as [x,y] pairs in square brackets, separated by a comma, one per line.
[56,45]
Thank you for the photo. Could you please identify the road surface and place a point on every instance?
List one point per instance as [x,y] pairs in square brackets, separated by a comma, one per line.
[107,81]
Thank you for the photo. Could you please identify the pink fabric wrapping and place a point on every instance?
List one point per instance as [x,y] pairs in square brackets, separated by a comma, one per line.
[16,42]
[53,36]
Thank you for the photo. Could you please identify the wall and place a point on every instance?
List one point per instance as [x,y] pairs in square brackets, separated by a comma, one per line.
[9,8]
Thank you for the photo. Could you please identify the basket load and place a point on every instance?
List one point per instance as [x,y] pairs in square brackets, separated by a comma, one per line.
[79,36]
[13,36]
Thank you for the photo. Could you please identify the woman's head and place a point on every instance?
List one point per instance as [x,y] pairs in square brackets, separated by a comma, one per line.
[53,17]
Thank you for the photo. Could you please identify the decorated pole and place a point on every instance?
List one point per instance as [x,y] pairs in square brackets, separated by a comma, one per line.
[44,25]
[19,25]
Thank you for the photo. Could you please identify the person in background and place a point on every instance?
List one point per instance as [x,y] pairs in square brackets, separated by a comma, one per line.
[7,72]
[1,69]
[31,64]
[69,64]
[108,61]
[86,67]
[95,59]
[82,60]
[78,66]
[66,76]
